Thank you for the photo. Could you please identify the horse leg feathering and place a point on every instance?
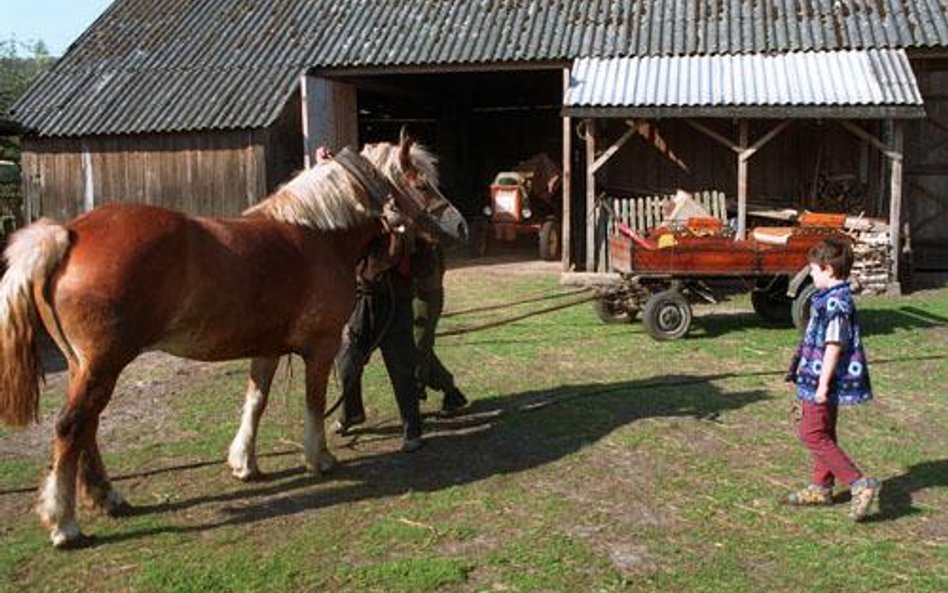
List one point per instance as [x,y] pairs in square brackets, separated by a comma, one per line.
[242,456]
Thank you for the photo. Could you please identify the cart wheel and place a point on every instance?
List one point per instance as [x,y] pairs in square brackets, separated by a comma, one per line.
[479,237]
[801,307]
[667,315]
[549,240]
[610,310]
[772,308]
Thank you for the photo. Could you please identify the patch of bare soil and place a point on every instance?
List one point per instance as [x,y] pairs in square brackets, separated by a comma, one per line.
[621,500]
[138,414]
[516,260]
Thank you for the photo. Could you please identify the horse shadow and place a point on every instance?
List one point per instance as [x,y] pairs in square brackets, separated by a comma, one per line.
[504,434]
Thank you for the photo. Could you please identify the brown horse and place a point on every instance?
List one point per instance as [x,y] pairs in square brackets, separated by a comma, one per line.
[124,279]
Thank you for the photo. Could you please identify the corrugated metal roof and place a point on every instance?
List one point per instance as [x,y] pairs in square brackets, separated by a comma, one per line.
[147,66]
[875,77]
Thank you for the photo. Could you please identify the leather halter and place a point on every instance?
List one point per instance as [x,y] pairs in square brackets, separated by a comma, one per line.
[375,184]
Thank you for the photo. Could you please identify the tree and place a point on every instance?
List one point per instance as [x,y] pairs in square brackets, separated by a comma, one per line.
[20,64]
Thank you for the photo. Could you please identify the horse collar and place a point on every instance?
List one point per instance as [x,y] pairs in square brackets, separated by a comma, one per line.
[376,185]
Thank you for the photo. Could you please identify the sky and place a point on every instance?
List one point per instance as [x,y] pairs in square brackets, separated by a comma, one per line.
[56,22]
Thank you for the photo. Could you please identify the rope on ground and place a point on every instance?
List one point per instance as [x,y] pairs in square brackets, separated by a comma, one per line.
[531,299]
[475,328]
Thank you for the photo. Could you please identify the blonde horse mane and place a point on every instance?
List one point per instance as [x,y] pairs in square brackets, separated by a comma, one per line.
[324,197]
[327,197]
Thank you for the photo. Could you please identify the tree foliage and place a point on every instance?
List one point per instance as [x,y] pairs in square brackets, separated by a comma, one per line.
[20,64]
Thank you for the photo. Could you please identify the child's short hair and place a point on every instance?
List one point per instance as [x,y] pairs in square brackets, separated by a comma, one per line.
[836,253]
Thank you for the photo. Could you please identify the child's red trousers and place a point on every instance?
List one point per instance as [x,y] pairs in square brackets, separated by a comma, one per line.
[818,432]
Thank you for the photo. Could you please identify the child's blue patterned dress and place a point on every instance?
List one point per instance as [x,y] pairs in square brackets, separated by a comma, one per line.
[832,319]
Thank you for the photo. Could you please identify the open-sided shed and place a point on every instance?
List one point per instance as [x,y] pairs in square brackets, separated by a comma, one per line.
[866,92]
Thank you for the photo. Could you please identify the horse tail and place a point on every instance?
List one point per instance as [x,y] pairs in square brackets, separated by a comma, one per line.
[32,255]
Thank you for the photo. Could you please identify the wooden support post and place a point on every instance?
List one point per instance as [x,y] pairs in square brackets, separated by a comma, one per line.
[567,183]
[895,204]
[590,128]
[892,150]
[742,181]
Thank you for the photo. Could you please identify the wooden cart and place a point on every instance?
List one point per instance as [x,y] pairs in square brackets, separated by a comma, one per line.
[662,281]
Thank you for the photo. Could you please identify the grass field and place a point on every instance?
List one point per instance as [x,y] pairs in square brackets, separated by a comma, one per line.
[592,459]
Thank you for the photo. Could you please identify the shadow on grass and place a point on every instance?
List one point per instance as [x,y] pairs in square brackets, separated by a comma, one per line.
[873,322]
[895,498]
[500,435]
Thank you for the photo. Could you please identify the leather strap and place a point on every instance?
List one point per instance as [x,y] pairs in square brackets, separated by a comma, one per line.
[376,185]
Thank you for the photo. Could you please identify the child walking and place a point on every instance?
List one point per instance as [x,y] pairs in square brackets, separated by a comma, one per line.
[830,370]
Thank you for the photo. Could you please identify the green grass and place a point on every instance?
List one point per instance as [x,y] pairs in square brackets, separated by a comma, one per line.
[592,459]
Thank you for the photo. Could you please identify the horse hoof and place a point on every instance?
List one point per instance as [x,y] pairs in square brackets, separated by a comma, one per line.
[68,537]
[77,543]
[247,475]
[121,509]
[327,463]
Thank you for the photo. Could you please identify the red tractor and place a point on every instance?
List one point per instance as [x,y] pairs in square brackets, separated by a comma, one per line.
[525,201]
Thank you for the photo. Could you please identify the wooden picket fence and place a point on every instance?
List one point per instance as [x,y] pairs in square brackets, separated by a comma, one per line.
[645,212]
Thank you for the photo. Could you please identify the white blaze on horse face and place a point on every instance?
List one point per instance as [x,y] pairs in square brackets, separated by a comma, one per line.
[242,456]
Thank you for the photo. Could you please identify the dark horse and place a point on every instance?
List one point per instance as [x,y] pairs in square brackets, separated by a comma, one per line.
[123,279]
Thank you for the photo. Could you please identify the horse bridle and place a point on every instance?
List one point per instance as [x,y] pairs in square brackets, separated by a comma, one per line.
[378,186]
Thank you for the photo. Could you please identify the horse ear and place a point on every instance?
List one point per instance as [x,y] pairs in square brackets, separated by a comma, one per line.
[404,149]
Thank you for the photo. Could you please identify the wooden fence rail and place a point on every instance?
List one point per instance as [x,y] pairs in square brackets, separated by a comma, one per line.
[645,212]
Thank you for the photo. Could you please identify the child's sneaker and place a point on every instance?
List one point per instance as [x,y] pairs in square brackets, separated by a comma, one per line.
[811,496]
[864,491]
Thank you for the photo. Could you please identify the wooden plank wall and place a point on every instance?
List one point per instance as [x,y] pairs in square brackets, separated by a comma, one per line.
[213,173]
[925,197]
[284,145]
[331,114]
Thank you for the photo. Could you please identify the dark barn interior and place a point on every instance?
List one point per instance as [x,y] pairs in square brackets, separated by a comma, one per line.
[478,123]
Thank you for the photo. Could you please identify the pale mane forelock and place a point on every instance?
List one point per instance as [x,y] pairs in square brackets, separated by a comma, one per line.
[323,197]
[385,157]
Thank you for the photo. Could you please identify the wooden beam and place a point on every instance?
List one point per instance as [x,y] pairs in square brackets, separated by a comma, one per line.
[604,157]
[712,134]
[590,133]
[860,132]
[747,154]
[567,183]
[742,181]
[651,134]
[895,203]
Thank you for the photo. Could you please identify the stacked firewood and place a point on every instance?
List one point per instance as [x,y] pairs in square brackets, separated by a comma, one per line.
[872,249]
[838,193]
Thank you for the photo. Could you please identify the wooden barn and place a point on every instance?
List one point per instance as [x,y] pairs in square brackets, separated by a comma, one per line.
[207,105]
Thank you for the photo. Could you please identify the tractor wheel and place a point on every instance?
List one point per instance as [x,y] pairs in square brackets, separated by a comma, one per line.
[549,239]
[611,310]
[772,307]
[801,306]
[480,237]
[667,315]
